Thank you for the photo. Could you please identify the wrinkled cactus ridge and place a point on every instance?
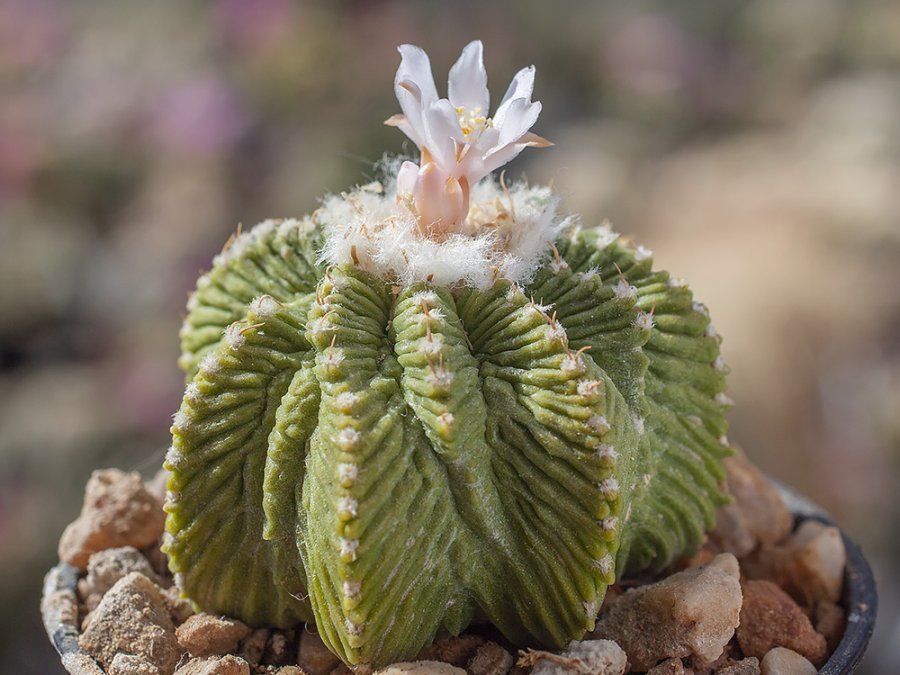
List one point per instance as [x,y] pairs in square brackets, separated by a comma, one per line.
[390,462]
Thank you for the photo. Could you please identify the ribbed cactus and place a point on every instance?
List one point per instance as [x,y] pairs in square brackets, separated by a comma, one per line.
[391,459]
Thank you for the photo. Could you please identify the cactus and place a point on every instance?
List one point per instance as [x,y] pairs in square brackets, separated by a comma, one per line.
[394,457]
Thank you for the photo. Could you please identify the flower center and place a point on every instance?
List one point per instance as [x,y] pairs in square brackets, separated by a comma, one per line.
[472,122]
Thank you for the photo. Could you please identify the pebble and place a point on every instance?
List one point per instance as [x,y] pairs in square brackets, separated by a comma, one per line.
[117,511]
[770,618]
[668,667]
[814,566]
[758,515]
[587,657]
[129,664]
[693,613]
[830,622]
[748,666]
[105,568]
[783,661]
[206,635]
[253,646]
[421,668]
[180,608]
[225,665]
[490,659]
[280,648]
[313,656]
[454,650]
[133,618]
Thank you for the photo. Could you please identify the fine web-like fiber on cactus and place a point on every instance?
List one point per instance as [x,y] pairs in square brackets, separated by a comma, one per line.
[391,452]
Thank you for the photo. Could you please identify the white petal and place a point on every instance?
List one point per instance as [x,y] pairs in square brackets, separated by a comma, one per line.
[441,129]
[520,115]
[522,86]
[503,154]
[499,156]
[416,68]
[415,90]
[468,80]
[400,122]
[471,164]
[406,177]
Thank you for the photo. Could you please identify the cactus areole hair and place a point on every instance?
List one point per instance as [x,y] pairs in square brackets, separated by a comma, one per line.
[438,401]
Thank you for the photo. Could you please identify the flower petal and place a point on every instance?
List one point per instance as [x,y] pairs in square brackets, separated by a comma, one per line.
[468,80]
[522,86]
[519,116]
[403,125]
[441,130]
[416,68]
[406,178]
[471,160]
[501,155]
[532,140]
[415,90]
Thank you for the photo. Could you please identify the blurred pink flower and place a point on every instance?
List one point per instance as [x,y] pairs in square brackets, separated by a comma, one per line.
[202,117]
[31,33]
[250,24]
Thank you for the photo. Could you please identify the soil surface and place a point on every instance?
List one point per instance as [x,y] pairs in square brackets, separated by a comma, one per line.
[761,596]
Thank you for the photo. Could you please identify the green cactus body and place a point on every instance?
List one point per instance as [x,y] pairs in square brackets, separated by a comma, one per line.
[393,461]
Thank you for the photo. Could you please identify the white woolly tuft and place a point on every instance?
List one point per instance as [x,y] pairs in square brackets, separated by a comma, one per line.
[508,234]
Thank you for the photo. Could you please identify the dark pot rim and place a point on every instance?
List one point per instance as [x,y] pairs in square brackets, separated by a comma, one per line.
[860,599]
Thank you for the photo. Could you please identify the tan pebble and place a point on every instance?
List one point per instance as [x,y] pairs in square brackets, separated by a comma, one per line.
[454,650]
[206,635]
[132,618]
[156,486]
[490,659]
[421,668]
[117,511]
[598,657]
[279,651]
[253,646]
[290,670]
[82,664]
[689,614]
[830,622]
[106,567]
[668,667]
[314,657]
[225,665]
[702,557]
[814,565]
[129,664]
[770,618]
[180,608]
[783,661]
[758,515]
[90,604]
[748,666]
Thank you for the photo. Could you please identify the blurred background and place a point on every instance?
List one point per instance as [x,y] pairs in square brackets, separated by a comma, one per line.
[754,145]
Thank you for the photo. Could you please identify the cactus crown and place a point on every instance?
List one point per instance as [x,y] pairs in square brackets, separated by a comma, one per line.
[391,449]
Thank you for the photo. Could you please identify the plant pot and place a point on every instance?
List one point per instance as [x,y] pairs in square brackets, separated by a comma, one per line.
[860,601]
[860,597]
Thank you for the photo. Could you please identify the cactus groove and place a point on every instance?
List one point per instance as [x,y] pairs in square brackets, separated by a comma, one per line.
[391,462]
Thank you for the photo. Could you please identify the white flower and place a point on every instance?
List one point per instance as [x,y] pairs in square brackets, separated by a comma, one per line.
[459,142]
